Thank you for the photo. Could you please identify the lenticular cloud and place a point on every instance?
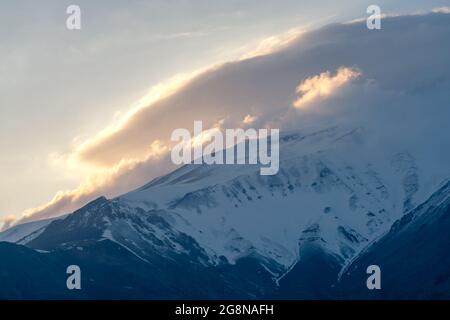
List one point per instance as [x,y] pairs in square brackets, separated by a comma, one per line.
[394,82]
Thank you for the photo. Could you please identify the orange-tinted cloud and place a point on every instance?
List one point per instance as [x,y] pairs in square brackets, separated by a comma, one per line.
[110,182]
[274,44]
[249,119]
[323,85]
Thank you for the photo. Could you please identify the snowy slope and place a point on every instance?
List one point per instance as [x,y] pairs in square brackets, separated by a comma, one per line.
[342,202]
[23,233]
[231,211]
[413,255]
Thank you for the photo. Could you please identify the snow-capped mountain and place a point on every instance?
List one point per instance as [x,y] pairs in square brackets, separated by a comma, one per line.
[23,233]
[358,182]
[321,193]
[412,255]
[221,215]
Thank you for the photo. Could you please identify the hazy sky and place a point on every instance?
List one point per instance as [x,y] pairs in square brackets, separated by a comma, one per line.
[59,88]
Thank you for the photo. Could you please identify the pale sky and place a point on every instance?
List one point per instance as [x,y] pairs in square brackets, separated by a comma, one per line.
[59,88]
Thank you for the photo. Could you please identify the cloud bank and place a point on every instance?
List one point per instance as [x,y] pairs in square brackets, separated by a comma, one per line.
[394,81]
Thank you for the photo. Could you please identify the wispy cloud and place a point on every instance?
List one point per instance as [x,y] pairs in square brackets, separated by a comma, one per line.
[273,44]
[442,10]
[179,35]
[394,15]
